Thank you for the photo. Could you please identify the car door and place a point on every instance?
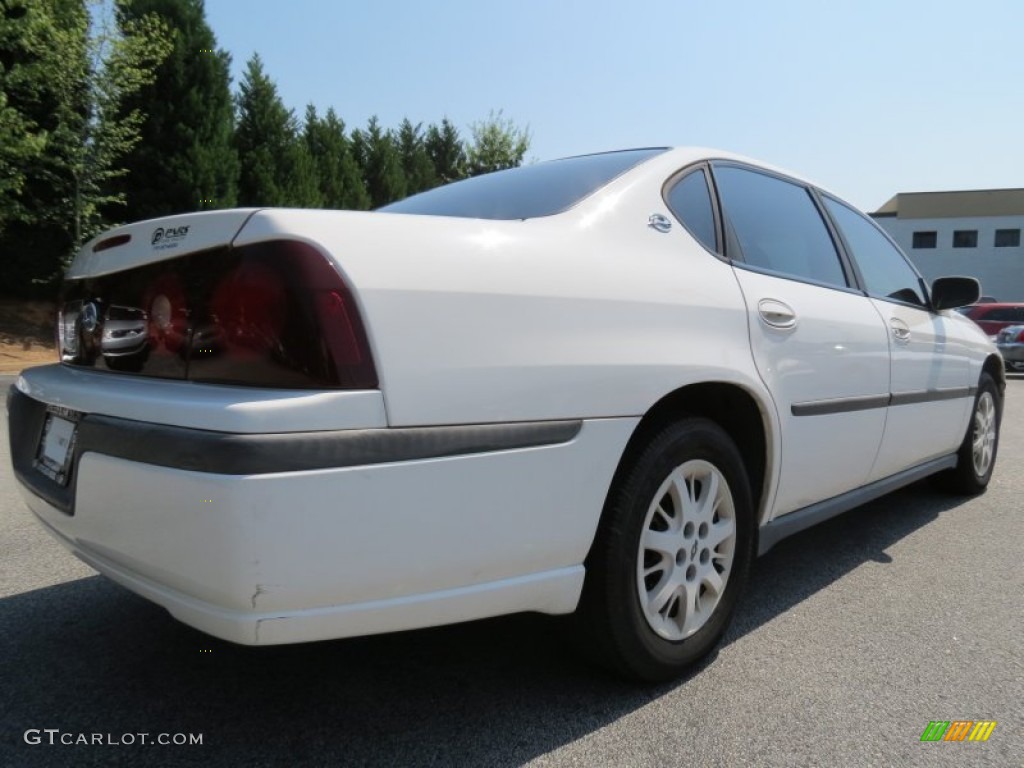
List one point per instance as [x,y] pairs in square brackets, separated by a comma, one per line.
[817,341]
[931,392]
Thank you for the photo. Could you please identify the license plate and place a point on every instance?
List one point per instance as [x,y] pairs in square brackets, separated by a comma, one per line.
[57,446]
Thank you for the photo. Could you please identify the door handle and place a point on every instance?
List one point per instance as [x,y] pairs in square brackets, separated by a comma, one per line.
[900,330]
[776,313]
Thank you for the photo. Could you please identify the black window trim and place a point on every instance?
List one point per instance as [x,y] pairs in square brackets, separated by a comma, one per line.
[853,278]
[922,283]
[676,178]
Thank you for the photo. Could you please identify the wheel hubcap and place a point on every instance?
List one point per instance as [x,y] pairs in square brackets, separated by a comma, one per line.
[984,438]
[686,550]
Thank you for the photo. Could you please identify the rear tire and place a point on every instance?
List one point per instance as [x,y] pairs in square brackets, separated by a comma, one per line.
[976,457]
[672,553]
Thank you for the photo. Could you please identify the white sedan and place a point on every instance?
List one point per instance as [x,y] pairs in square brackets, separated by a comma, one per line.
[599,385]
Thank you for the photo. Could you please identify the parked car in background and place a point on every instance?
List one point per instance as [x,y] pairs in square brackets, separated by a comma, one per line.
[993,317]
[1010,342]
[599,385]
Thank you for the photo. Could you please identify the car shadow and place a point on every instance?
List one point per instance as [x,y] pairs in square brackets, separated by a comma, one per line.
[89,657]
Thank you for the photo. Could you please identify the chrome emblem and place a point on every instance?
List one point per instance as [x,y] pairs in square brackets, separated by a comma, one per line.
[659,223]
[90,317]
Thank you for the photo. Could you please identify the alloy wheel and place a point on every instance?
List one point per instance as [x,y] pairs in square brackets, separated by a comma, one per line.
[686,550]
[984,437]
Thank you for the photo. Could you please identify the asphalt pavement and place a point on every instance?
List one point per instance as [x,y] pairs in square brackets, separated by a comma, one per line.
[852,637]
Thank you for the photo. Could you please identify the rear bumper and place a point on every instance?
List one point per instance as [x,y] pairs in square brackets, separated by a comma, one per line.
[347,535]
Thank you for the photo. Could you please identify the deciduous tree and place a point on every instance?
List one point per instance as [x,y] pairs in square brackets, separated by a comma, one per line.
[497,144]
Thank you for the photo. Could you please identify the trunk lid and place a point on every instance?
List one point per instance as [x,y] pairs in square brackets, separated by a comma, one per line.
[154,240]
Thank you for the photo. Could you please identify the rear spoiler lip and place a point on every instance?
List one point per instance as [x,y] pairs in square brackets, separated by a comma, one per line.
[91,261]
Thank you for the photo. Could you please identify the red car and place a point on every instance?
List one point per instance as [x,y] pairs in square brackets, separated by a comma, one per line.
[994,317]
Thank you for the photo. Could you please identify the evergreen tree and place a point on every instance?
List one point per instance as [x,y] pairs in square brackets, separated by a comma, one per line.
[339,180]
[416,163]
[497,144]
[381,164]
[302,182]
[186,160]
[446,151]
[275,166]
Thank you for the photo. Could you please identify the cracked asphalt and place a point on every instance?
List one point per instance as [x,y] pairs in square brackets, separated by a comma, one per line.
[851,638]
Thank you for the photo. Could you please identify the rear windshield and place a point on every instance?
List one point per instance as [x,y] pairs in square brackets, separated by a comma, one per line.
[527,192]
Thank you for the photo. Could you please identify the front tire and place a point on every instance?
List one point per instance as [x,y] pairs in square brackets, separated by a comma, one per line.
[976,458]
[672,553]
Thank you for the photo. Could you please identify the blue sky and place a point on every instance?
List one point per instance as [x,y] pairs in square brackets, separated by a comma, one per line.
[866,98]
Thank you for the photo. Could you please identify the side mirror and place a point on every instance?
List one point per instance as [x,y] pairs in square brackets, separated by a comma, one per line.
[953,292]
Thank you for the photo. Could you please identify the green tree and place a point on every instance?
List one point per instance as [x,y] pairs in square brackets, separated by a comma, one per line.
[275,167]
[497,144]
[186,160]
[66,74]
[122,60]
[339,179]
[381,163]
[416,163]
[445,148]
[22,72]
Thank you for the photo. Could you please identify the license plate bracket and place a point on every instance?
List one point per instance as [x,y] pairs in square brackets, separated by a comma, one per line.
[56,451]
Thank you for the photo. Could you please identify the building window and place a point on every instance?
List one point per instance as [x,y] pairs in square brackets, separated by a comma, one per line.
[1007,238]
[965,238]
[925,240]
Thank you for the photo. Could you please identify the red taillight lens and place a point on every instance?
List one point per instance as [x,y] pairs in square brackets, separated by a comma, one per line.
[280,315]
[275,314]
[344,338]
[1020,337]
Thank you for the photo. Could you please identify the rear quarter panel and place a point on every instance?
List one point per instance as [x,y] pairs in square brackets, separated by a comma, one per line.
[588,314]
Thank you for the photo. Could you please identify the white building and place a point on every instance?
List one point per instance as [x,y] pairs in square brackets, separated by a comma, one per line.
[975,233]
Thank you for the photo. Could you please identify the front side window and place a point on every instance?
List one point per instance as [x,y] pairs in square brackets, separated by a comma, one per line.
[965,238]
[886,273]
[775,225]
[690,200]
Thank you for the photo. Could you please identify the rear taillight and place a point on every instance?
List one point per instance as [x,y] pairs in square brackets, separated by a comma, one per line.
[1020,336]
[275,314]
[280,315]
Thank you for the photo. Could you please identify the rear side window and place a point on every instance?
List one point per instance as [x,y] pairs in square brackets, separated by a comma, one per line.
[886,273]
[543,189]
[690,201]
[776,226]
